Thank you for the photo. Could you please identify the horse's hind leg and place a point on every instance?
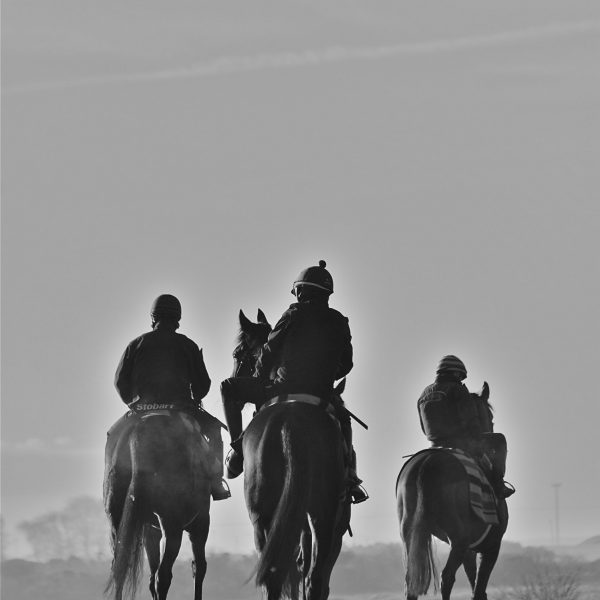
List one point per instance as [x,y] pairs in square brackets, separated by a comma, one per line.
[170,545]
[470,566]
[198,533]
[455,559]
[273,585]
[328,546]
[488,560]
[152,546]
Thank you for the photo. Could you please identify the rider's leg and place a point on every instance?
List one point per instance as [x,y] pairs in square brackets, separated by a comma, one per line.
[357,492]
[211,427]
[235,393]
[495,448]
[232,408]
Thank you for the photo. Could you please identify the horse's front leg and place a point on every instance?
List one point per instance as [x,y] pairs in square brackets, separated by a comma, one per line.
[198,533]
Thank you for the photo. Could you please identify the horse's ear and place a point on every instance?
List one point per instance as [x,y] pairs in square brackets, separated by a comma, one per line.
[485,391]
[340,387]
[260,317]
[244,321]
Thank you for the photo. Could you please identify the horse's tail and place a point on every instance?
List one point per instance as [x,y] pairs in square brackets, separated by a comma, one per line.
[126,565]
[420,563]
[277,565]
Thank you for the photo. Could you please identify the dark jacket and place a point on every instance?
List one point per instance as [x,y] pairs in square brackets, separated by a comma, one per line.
[308,350]
[448,412]
[162,366]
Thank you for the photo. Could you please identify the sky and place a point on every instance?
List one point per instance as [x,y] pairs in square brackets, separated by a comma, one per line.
[441,157]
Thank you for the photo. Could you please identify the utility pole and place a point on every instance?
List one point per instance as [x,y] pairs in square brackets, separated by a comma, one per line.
[556,487]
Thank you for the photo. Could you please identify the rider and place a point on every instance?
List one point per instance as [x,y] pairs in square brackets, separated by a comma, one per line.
[452,417]
[166,367]
[307,351]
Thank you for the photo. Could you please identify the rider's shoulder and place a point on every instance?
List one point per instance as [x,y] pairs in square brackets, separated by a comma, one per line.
[140,339]
[186,340]
[337,314]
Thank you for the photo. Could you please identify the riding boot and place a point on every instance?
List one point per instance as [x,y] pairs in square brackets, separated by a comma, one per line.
[211,427]
[234,463]
[357,493]
[501,488]
[494,445]
[356,490]
[219,490]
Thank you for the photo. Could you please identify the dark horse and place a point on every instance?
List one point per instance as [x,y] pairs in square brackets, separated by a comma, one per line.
[432,491]
[295,490]
[156,486]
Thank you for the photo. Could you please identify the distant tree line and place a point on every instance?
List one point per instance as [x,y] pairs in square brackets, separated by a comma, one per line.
[79,530]
[71,552]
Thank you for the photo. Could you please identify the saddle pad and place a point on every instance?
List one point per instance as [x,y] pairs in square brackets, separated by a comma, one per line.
[483,501]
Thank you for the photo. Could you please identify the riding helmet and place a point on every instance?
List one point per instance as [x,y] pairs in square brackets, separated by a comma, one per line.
[452,363]
[318,277]
[166,306]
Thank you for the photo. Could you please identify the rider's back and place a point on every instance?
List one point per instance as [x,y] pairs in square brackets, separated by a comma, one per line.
[448,412]
[315,350]
[159,366]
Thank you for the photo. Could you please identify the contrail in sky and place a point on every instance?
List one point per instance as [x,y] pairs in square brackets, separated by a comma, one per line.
[285,60]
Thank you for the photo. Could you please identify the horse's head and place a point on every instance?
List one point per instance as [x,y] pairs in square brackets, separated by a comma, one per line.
[250,341]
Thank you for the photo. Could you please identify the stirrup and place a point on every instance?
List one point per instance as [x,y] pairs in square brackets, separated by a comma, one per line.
[220,491]
[358,494]
[509,489]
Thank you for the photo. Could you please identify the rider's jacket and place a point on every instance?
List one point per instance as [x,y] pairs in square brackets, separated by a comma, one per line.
[162,366]
[308,350]
[449,413]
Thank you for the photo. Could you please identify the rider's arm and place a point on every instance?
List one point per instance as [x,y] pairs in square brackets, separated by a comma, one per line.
[272,346]
[123,376]
[200,377]
[346,362]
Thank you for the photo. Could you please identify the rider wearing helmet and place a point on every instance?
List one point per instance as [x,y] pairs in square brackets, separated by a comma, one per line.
[163,367]
[307,351]
[452,417]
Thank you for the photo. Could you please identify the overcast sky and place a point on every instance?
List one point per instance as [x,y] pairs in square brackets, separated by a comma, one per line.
[443,160]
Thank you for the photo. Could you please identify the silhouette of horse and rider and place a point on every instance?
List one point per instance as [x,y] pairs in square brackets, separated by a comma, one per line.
[164,457]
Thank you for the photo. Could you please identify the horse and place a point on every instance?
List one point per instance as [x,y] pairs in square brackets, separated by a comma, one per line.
[432,492]
[294,488]
[156,486]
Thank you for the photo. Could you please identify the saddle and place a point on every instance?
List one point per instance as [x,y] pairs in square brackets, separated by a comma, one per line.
[138,413]
[303,398]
